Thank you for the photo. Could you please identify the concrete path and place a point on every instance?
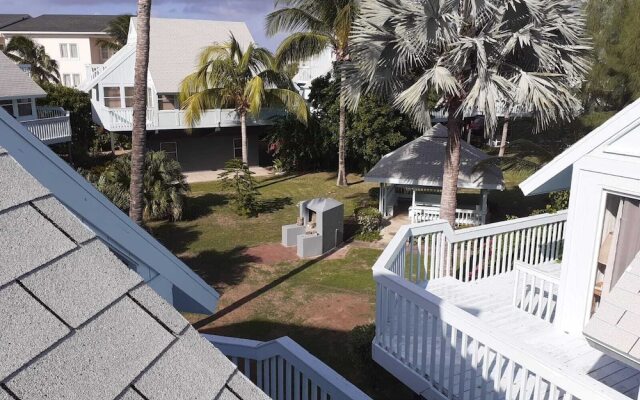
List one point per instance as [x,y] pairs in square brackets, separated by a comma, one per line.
[214,175]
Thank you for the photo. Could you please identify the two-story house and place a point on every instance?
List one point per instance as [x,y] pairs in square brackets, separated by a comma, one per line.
[18,95]
[10,19]
[71,40]
[175,45]
[543,307]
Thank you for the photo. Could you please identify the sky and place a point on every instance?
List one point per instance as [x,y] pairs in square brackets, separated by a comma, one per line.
[252,12]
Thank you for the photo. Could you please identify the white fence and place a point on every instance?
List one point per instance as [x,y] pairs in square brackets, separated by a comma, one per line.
[444,352]
[464,217]
[286,371]
[52,125]
[536,289]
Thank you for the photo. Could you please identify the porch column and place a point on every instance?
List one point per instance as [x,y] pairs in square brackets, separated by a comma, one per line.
[485,195]
[413,198]
[381,197]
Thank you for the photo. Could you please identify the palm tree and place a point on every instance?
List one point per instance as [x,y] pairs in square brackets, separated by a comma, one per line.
[246,80]
[164,186]
[472,54]
[23,50]
[118,31]
[139,129]
[317,26]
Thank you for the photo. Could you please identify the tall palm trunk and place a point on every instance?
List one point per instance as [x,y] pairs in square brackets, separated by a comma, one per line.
[448,201]
[139,130]
[245,144]
[342,173]
[503,139]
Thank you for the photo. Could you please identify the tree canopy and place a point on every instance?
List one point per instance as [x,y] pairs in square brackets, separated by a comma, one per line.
[23,50]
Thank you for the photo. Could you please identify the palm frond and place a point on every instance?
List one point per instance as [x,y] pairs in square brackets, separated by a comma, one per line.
[301,46]
[291,100]
[293,19]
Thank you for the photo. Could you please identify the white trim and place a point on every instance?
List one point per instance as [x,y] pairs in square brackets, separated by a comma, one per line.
[427,183]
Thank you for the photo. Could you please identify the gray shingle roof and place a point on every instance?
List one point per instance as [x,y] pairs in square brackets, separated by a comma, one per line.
[8,19]
[62,23]
[15,82]
[420,163]
[615,326]
[76,323]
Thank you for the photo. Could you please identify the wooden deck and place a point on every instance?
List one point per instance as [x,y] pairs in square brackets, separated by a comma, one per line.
[490,300]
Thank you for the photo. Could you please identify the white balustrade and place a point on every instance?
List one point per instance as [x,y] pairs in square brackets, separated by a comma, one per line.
[286,371]
[536,289]
[51,126]
[433,250]
[93,70]
[464,217]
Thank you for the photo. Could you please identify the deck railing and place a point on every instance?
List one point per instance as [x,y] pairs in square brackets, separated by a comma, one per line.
[434,250]
[444,352]
[285,371]
[52,125]
[536,289]
[464,217]
[93,70]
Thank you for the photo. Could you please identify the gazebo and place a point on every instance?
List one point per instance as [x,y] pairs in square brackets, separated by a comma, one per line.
[414,171]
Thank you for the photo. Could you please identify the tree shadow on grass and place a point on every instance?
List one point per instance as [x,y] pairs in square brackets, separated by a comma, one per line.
[277,179]
[272,205]
[221,269]
[203,205]
[174,237]
[331,347]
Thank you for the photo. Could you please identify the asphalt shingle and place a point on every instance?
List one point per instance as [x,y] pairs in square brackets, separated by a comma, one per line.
[91,278]
[22,336]
[27,240]
[159,308]
[243,387]
[99,361]
[2,151]
[69,223]
[196,369]
[16,185]
[227,395]
[130,394]
[4,395]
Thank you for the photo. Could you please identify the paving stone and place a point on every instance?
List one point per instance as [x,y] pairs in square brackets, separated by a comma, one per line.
[124,339]
[90,278]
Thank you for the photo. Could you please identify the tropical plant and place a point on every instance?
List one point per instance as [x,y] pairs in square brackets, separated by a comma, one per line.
[239,179]
[317,26]
[23,50]
[164,186]
[139,128]
[473,54]
[118,31]
[245,79]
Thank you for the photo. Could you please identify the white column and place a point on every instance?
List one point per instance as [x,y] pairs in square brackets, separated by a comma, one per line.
[483,207]
[413,198]
[381,197]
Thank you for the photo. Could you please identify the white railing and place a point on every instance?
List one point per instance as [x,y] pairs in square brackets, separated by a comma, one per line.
[52,126]
[285,371]
[93,70]
[434,250]
[443,352]
[536,289]
[464,217]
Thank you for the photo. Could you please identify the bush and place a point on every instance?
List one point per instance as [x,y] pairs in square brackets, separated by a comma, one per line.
[369,220]
[558,201]
[238,178]
[359,344]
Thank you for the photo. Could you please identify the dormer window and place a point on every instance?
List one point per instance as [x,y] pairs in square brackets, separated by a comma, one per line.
[24,107]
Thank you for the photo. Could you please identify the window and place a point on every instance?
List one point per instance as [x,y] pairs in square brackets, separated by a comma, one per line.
[128,96]
[73,50]
[112,97]
[68,50]
[168,102]
[24,107]
[64,50]
[66,79]
[76,80]
[7,105]
[237,148]
[105,53]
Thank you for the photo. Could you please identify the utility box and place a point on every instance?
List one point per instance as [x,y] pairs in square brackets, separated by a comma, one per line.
[320,227]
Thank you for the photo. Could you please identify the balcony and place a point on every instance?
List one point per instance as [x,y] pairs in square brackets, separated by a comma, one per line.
[469,314]
[464,216]
[51,126]
[285,371]
[121,119]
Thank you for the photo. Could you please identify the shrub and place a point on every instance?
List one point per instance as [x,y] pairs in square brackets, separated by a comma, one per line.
[238,178]
[359,344]
[558,201]
[369,220]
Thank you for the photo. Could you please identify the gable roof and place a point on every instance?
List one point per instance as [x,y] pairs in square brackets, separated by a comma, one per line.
[556,175]
[177,43]
[15,82]
[76,323]
[62,23]
[615,326]
[166,274]
[8,19]
[421,163]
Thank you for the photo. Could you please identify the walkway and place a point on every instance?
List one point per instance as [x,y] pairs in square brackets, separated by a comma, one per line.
[214,175]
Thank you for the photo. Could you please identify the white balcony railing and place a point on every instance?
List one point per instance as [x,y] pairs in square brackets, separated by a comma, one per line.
[464,217]
[93,70]
[285,371]
[51,126]
[442,351]
[536,289]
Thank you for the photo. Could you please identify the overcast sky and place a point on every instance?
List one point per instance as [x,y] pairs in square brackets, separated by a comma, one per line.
[250,11]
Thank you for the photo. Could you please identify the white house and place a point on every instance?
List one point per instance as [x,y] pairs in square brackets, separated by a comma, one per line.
[313,68]
[10,19]
[544,307]
[175,47]
[89,300]
[18,94]
[71,40]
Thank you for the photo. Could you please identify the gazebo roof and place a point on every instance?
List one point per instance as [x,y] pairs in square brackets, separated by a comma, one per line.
[420,163]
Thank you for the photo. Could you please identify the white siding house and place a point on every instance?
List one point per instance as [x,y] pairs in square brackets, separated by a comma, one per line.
[71,40]
[313,68]
[175,47]
[544,307]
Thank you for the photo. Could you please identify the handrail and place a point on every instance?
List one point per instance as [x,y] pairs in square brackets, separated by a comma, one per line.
[536,291]
[278,359]
[487,343]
